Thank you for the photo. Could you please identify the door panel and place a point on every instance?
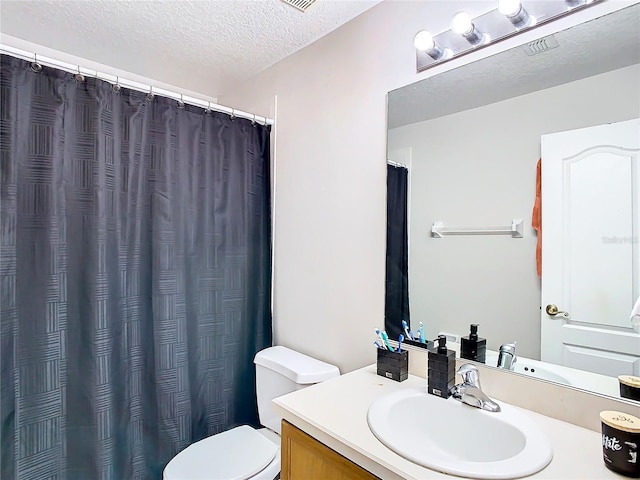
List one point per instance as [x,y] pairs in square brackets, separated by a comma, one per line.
[590,250]
[602,361]
[591,227]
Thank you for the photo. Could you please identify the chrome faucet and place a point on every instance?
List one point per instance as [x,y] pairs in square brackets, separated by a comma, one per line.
[507,356]
[469,390]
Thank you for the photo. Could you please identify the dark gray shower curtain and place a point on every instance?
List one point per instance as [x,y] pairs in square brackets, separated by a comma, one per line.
[135,274]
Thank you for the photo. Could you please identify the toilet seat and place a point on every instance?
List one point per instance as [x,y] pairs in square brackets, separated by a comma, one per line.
[238,454]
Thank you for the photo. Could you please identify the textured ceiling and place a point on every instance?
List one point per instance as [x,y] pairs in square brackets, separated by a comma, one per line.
[606,43]
[203,46]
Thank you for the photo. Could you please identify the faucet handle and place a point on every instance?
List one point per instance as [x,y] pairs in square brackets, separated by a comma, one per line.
[470,375]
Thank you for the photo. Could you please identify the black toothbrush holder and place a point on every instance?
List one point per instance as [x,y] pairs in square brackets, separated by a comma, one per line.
[428,345]
[393,365]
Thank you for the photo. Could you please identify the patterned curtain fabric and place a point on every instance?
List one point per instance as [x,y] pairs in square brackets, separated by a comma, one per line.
[396,305]
[136,276]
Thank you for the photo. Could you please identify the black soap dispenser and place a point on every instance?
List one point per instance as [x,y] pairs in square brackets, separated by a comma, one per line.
[473,347]
[441,372]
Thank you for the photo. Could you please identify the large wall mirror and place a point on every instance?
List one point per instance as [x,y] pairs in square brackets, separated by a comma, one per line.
[470,140]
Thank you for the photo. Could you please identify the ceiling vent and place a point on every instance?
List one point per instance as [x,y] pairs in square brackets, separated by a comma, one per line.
[301,5]
[541,45]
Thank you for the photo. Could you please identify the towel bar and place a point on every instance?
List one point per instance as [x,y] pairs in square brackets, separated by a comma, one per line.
[438,230]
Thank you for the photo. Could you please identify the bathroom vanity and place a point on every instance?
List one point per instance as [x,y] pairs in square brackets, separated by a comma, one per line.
[326,435]
[305,457]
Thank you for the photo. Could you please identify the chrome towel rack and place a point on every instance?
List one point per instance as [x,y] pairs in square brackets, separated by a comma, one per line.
[438,230]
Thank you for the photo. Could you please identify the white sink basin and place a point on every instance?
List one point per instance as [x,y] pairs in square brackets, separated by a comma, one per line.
[451,437]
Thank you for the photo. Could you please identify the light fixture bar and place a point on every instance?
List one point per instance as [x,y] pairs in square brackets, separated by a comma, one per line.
[510,18]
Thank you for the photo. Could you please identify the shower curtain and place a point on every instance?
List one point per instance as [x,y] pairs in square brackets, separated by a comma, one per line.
[396,305]
[135,273]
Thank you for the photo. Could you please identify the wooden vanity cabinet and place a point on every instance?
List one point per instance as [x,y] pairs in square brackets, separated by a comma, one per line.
[305,458]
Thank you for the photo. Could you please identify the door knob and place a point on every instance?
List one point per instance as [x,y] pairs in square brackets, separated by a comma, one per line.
[552,311]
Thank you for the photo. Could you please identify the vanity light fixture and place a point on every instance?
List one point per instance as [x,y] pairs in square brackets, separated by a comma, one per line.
[423,41]
[490,27]
[462,24]
[516,13]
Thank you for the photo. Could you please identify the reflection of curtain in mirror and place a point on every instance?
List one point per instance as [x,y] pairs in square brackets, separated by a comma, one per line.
[397,284]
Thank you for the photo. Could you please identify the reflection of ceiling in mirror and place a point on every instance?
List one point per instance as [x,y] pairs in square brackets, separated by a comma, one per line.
[601,45]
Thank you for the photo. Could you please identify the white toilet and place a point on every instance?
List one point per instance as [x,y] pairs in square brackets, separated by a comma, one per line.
[245,453]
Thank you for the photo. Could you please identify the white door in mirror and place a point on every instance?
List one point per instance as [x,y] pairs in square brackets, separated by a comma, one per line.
[451,437]
[590,247]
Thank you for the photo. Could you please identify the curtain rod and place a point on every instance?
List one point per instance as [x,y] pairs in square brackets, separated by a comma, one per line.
[396,164]
[141,87]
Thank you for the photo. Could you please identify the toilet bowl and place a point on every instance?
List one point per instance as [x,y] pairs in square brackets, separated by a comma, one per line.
[244,453]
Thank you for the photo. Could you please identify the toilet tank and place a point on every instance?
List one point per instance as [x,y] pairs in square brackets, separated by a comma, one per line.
[280,370]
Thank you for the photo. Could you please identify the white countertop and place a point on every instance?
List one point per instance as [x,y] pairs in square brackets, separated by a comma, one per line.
[335,413]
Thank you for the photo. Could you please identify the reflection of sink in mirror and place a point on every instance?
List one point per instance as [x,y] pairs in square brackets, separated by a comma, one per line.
[451,437]
[557,373]
[538,372]
[533,368]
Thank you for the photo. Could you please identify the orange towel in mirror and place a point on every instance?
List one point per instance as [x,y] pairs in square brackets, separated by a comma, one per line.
[536,220]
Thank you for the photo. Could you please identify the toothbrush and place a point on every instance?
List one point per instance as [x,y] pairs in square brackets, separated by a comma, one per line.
[407,331]
[422,340]
[378,345]
[400,339]
[381,339]
[385,338]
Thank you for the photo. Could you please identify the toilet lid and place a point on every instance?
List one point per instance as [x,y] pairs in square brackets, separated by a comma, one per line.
[236,454]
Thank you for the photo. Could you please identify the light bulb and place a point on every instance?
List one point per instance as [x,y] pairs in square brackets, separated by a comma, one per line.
[515,12]
[423,41]
[461,23]
[509,8]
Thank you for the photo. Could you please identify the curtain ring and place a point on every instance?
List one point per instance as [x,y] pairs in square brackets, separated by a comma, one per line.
[233,114]
[208,109]
[79,76]
[35,66]
[253,121]
[116,86]
[181,102]
[150,95]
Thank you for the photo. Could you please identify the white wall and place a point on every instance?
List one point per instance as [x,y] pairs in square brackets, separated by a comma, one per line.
[330,176]
[478,168]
